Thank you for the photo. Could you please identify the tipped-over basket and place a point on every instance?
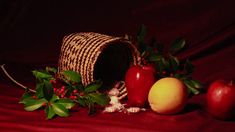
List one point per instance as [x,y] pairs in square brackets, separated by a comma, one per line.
[97,56]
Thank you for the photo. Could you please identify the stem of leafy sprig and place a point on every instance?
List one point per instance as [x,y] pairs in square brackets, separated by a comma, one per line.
[16,82]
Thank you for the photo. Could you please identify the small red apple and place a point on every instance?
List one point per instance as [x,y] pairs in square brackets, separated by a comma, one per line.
[150,67]
[221,100]
[139,80]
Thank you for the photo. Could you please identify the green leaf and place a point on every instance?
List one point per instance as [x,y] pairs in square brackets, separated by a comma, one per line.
[160,66]
[67,103]
[188,66]
[50,112]
[42,75]
[72,76]
[196,84]
[180,76]
[93,87]
[190,87]
[54,98]
[165,63]
[25,98]
[51,69]
[81,102]
[177,45]
[174,63]
[60,110]
[155,58]
[34,104]
[39,90]
[47,90]
[99,98]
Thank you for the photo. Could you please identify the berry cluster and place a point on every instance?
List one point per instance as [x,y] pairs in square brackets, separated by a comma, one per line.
[63,92]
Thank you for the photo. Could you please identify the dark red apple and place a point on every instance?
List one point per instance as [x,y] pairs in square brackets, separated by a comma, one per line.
[150,67]
[221,100]
[138,81]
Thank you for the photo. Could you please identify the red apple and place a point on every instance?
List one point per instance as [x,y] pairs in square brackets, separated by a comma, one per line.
[138,81]
[221,100]
[150,67]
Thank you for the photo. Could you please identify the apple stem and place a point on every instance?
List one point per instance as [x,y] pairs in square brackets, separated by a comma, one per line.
[13,80]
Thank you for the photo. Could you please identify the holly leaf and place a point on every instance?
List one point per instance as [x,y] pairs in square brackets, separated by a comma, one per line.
[174,63]
[165,63]
[47,90]
[196,84]
[180,76]
[60,110]
[81,101]
[39,90]
[177,45]
[72,76]
[54,98]
[99,98]
[93,87]
[50,112]
[25,98]
[34,104]
[51,69]
[67,103]
[42,75]
[191,87]
[155,58]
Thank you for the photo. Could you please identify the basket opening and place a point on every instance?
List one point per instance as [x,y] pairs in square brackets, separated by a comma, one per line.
[113,63]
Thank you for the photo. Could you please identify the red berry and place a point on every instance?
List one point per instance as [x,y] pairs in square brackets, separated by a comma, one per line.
[163,72]
[81,94]
[75,91]
[55,89]
[72,97]
[171,74]
[63,87]
[62,90]
[34,97]
[51,81]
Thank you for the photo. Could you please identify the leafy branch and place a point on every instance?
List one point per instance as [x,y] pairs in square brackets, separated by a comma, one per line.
[164,61]
[57,96]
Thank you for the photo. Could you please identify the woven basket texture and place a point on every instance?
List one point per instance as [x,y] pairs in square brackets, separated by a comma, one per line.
[96,56]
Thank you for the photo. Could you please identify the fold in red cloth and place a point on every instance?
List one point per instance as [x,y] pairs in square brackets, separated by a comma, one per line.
[194,118]
[31,33]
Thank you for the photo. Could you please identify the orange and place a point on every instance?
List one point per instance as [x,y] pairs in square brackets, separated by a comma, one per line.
[167,96]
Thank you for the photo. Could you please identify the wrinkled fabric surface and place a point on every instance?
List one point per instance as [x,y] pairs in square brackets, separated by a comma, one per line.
[31,33]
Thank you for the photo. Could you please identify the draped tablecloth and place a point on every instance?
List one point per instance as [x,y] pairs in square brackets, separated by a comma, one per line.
[31,33]
[194,118]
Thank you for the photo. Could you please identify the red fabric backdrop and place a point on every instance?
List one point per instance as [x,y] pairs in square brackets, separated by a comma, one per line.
[31,33]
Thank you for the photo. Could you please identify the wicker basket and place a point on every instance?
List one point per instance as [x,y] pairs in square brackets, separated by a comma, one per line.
[97,56]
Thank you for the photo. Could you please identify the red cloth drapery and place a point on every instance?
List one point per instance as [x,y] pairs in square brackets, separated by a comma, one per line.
[31,33]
